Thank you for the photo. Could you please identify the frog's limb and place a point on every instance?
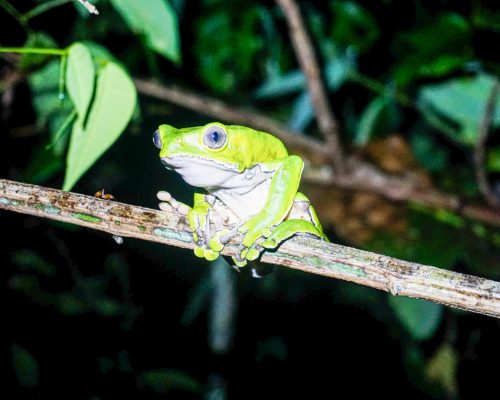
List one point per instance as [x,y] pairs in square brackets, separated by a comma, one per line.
[286,230]
[301,219]
[306,212]
[282,191]
[198,218]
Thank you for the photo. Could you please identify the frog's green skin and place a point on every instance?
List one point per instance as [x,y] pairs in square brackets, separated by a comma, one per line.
[250,181]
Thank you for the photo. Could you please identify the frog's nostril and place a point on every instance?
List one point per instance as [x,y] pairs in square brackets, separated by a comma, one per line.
[157,139]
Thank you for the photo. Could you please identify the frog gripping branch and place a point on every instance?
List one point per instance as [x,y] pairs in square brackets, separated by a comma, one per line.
[250,181]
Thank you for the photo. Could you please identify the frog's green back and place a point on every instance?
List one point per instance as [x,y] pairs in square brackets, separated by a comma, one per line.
[253,147]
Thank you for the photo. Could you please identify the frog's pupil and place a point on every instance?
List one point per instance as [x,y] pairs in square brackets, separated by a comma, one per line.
[215,136]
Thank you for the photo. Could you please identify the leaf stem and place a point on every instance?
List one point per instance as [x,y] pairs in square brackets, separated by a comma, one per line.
[34,50]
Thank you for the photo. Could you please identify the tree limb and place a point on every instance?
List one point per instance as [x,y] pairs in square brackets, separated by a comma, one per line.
[327,124]
[310,255]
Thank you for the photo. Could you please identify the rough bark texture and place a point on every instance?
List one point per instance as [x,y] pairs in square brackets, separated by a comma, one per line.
[309,255]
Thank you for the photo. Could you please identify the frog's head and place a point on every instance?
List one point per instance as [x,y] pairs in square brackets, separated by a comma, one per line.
[207,156]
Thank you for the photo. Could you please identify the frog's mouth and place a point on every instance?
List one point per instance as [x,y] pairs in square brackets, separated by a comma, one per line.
[201,172]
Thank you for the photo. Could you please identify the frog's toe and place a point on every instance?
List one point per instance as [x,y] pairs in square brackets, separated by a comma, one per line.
[168,203]
[239,262]
[218,241]
[164,196]
[253,252]
[199,251]
[210,255]
[269,243]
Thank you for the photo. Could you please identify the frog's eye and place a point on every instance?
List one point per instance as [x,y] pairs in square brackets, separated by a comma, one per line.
[157,139]
[214,137]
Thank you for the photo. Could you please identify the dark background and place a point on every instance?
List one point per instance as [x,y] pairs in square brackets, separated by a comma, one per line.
[85,317]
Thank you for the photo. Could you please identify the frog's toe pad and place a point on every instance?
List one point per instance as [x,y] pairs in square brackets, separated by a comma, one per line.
[211,255]
[252,254]
[217,242]
[168,203]
[239,262]
[164,206]
[269,244]
[199,251]
[162,195]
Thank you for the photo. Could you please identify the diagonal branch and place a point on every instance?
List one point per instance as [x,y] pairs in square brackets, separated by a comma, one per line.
[479,151]
[310,255]
[327,124]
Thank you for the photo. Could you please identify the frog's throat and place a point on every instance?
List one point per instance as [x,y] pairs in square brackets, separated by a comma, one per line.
[183,161]
[201,172]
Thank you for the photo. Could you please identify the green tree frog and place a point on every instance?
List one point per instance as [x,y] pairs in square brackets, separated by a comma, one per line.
[250,182]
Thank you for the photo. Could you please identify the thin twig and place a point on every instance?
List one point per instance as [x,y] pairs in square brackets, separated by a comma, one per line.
[363,176]
[327,124]
[479,151]
[310,255]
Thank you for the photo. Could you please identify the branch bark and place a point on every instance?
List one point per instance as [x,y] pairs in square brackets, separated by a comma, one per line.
[377,271]
[327,124]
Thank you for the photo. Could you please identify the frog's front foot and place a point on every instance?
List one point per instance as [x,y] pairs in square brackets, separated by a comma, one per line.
[254,244]
[197,219]
[168,203]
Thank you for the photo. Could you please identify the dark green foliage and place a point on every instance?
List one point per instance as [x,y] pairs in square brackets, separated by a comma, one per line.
[88,319]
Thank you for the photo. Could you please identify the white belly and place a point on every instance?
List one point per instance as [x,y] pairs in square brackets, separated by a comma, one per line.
[245,205]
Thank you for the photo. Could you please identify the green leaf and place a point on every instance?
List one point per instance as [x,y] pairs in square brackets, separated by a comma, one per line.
[354,26]
[463,101]
[282,85]
[336,73]
[302,113]
[164,380]
[68,303]
[25,366]
[421,318]
[30,260]
[37,40]
[493,163]
[80,77]
[428,151]
[369,119]
[426,52]
[109,114]
[156,21]
[442,369]
[44,85]
[228,67]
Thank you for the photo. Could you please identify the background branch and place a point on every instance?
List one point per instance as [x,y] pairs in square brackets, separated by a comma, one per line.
[310,255]
[224,112]
[304,50]
[479,151]
[363,176]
